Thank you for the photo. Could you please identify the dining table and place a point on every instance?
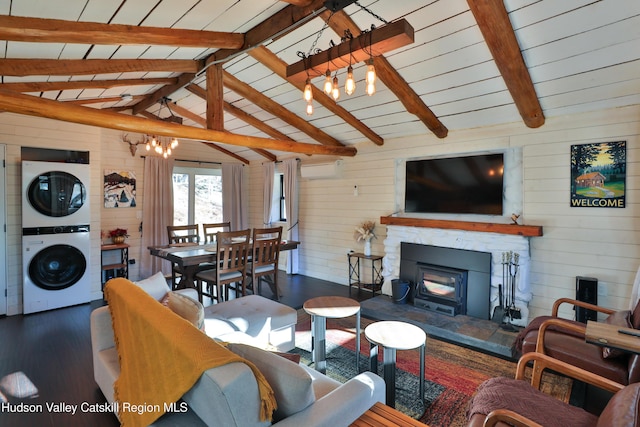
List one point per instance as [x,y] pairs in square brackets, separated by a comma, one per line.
[189,257]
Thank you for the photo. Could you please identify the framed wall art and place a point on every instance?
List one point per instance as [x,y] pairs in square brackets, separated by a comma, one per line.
[119,189]
[598,175]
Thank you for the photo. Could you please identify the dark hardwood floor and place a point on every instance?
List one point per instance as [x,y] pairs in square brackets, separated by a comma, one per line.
[53,350]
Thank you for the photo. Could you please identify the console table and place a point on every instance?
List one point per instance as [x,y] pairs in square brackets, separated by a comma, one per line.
[119,269]
[356,273]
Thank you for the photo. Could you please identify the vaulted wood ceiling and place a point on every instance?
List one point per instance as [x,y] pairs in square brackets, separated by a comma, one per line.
[223,65]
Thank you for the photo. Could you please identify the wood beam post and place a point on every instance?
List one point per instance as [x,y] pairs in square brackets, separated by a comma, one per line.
[215,95]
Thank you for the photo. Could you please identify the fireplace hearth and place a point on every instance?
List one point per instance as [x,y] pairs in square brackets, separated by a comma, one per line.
[441,289]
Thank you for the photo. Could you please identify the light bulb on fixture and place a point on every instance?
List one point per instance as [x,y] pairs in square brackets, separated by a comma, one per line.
[308,93]
[174,143]
[371,77]
[335,89]
[328,84]
[350,83]
[309,108]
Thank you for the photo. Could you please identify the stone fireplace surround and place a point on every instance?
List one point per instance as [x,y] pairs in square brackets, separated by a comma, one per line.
[488,239]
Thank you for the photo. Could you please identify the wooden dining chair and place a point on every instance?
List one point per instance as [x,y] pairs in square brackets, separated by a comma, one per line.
[181,235]
[264,259]
[211,230]
[233,249]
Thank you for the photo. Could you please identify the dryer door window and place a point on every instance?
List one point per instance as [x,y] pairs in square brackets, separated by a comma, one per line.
[57,267]
[56,193]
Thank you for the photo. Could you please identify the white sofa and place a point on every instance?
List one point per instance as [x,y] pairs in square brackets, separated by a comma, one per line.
[223,395]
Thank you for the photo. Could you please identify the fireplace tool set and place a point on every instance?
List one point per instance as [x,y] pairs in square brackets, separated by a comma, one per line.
[507,300]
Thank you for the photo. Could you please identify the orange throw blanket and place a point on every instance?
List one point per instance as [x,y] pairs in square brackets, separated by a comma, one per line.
[162,356]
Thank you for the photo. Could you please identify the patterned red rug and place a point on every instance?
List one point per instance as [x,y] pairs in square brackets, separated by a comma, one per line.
[452,373]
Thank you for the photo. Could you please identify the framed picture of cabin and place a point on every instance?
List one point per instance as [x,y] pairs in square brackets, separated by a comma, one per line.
[598,175]
[119,189]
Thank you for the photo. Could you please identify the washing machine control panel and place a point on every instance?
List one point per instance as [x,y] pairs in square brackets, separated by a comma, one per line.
[58,229]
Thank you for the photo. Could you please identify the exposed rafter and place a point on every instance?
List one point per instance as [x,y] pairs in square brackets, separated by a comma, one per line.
[33,106]
[494,23]
[278,110]
[84,84]
[55,30]
[278,66]
[70,67]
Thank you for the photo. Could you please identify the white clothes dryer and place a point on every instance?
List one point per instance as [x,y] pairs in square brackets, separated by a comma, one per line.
[55,267]
[55,194]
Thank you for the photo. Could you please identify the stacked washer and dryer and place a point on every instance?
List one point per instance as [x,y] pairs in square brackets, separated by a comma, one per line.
[56,244]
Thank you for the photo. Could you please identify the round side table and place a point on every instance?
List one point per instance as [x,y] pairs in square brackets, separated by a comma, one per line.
[392,336]
[321,309]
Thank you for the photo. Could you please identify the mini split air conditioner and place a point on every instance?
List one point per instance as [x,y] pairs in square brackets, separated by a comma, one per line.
[321,170]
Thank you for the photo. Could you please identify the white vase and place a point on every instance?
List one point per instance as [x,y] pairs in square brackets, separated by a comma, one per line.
[367,247]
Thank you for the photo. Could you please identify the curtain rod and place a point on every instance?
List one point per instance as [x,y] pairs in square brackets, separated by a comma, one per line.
[191,161]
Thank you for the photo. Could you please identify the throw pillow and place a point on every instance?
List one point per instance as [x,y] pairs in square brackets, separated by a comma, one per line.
[185,307]
[156,285]
[619,318]
[291,384]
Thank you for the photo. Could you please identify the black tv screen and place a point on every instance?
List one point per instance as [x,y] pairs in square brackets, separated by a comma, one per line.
[468,185]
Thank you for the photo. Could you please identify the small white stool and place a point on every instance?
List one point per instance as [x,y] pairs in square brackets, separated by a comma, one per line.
[392,336]
[321,309]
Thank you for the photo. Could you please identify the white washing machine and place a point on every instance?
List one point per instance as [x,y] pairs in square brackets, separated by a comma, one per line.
[55,194]
[55,267]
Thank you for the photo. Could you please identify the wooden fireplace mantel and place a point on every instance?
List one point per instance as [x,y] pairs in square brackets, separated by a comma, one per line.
[483,227]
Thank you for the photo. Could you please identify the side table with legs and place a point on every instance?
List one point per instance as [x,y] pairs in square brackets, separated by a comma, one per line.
[392,336]
[321,309]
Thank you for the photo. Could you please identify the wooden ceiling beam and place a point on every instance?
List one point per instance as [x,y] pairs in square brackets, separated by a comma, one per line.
[278,110]
[83,84]
[340,22]
[164,91]
[299,3]
[493,21]
[245,117]
[72,67]
[278,66]
[215,97]
[58,31]
[98,100]
[277,25]
[181,111]
[375,42]
[40,107]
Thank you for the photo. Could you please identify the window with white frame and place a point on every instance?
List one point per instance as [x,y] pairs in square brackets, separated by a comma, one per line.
[278,210]
[197,195]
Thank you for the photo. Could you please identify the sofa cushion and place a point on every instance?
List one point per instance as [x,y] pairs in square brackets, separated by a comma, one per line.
[185,307]
[622,319]
[156,285]
[291,384]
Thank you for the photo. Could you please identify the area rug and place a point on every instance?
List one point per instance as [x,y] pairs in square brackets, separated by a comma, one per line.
[452,373]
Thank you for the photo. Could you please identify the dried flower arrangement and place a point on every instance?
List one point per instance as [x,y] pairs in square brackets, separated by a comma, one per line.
[365,231]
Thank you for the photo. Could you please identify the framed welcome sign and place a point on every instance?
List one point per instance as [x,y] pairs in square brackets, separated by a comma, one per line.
[598,175]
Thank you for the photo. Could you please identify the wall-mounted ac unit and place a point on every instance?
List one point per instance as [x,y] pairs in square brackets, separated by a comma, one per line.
[321,170]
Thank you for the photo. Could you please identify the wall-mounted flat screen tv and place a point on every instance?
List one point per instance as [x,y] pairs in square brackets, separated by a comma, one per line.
[461,185]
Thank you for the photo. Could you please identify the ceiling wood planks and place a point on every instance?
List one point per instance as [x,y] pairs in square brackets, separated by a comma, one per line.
[473,63]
